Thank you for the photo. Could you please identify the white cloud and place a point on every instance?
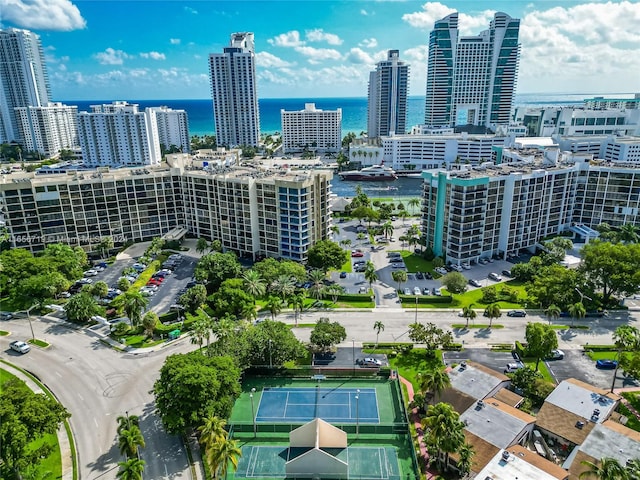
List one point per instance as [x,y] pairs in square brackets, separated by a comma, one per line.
[368,43]
[315,55]
[359,56]
[364,13]
[323,77]
[433,11]
[153,55]
[193,11]
[268,60]
[60,15]
[111,57]
[319,35]
[174,41]
[289,39]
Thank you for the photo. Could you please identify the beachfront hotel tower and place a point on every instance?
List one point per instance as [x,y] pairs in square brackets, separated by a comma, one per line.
[235,97]
[387,106]
[23,78]
[472,80]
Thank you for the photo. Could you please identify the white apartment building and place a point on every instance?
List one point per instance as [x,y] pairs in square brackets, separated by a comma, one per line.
[601,103]
[387,103]
[500,209]
[573,121]
[173,128]
[23,78]
[314,129]
[252,212]
[607,147]
[118,134]
[424,152]
[472,80]
[48,129]
[234,92]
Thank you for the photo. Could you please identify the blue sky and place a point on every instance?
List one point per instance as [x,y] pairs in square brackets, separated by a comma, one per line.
[158,49]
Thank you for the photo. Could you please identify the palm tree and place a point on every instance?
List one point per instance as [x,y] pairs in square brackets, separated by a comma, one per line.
[469,313]
[223,453]
[317,283]
[297,302]
[370,274]
[607,468]
[625,337]
[387,229]
[577,311]
[200,330]
[106,244]
[445,431]
[131,469]
[202,245]
[127,421]
[552,312]
[149,322]
[274,305]
[211,432]
[399,276]
[492,311]
[378,327]
[334,229]
[346,243]
[129,440]
[223,329]
[133,303]
[628,233]
[413,202]
[284,285]
[334,291]
[360,237]
[465,454]
[434,382]
[254,284]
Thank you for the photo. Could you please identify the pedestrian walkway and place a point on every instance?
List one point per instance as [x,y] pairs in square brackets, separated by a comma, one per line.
[63,438]
[415,418]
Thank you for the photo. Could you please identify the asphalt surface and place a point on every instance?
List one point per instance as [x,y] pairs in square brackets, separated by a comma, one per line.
[168,291]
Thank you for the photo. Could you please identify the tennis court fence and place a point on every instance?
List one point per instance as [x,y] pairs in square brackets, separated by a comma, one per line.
[350,428]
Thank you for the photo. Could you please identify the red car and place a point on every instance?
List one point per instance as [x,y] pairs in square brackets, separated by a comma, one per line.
[357,254]
[154,281]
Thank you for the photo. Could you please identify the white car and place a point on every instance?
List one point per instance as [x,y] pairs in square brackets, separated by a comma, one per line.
[556,354]
[466,266]
[90,273]
[20,346]
[417,291]
[495,276]
[407,291]
[370,362]
[85,281]
[166,271]
[441,270]
[457,268]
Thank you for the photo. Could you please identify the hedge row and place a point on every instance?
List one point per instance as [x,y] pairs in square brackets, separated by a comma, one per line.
[600,348]
[411,299]
[386,346]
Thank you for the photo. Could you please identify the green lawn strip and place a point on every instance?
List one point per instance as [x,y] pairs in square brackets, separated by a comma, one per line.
[567,327]
[462,326]
[542,368]
[606,355]
[39,343]
[302,325]
[410,364]
[415,263]
[350,304]
[347,266]
[633,423]
[3,333]
[141,341]
[52,463]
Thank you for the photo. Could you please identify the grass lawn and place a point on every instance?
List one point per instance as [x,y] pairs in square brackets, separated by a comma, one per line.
[140,341]
[542,368]
[415,361]
[39,343]
[347,266]
[634,400]
[415,263]
[473,297]
[462,326]
[3,333]
[146,275]
[52,463]
[606,355]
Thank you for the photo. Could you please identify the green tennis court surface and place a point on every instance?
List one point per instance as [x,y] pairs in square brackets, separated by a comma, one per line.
[367,463]
[334,405]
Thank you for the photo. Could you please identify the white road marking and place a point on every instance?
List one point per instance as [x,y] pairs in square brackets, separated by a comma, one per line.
[95,421]
[58,373]
[80,397]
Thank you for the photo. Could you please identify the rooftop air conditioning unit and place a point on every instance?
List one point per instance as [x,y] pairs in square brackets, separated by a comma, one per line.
[505,456]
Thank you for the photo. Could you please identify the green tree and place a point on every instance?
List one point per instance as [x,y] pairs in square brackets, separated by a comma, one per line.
[226,452]
[232,299]
[193,298]
[211,432]
[370,274]
[133,303]
[469,313]
[100,289]
[317,278]
[80,308]
[129,440]
[414,203]
[387,229]
[254,284]
[552,312]
[202,245]
[215,268]
[444,431]
[612,268]
[24,417]
[284,286]
[215,246]
[297,302]
[270,269]
[492,311]
[433,383]
[326,255]
[555,284]
[628,233]
[378,327]
[105,245]
[399,276]
[149,323]
[465,456]
[271,343]
[131,469]
[625,338]
[541,341]
[274,305]
[454,282]
[607,468]
[438,262]
[192,387]
[429,335]
[577,312]
[326,334]
[127,421]
[334,291]
[201,330]
[123,284]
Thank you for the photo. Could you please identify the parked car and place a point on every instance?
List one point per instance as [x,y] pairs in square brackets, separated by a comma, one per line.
[394,254]
[395,265]
[465,265]
[407,291]
[357,254]
[512,367]
[606,364]
[556,355]
[516,313]
[474,283]
[102,264]
[457,268]
[426,291]
[417,291]
[483,261]
[428,276]
[6,315]
[20,346]
[90,273]
[396,260]
[437,292]
[507,273]
[85,281]
[154,281]
[369,362]
[419,276]
[139,266]
[495,276]
[343,274]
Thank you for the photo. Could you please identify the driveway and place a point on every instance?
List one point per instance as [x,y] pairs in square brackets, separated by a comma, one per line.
[347,357]
[168,292]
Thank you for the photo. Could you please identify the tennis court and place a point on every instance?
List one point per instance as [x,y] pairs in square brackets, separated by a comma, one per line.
[334,405]
[373,463]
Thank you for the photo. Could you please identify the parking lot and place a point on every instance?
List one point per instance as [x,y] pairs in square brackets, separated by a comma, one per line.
[575,364]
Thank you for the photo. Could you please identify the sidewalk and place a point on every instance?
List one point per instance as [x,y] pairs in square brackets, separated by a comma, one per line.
[63,438]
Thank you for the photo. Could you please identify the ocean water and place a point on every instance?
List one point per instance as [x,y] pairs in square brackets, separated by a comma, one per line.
[354,109]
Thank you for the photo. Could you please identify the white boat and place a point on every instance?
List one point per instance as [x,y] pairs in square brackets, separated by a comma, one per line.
[373,173]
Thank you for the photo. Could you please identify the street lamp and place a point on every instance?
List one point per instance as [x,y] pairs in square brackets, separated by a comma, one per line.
[270,356]
[357,413]
[353,356]
[582,295]
[253,414]
[416,309]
